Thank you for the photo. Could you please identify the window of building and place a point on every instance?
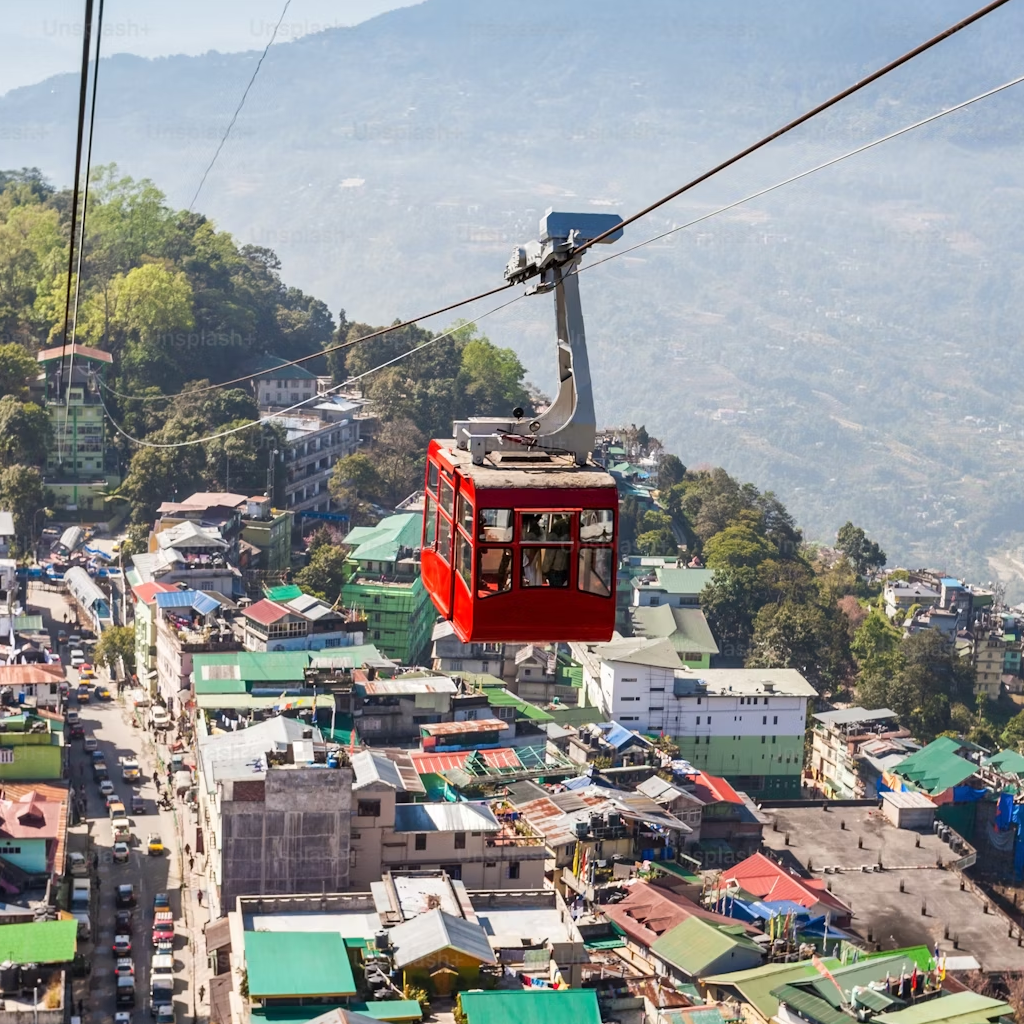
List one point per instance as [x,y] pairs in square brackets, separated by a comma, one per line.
[421,840]
[764,739]
[657,709]
[698,719]
[629,718]
[513,869]
[368,809]
[764,719]
[460,840]
[333,642]
[456,664]
[490,863]
[657,689]
[773,739]
[624,699]
[775,719]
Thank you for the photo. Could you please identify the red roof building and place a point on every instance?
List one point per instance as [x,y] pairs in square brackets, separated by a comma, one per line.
[37,811]
[764,878]
[267,612]
[146,592]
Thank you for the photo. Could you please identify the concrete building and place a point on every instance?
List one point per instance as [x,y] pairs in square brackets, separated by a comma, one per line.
[145,616]
[386,584]
[278,386]
[31,749]
[388,710]
[171,566]
[450,655]
[186,625]
[274,812]
[744,724]
[79,469]
[989,661]
[35,685]
[301,623]
[7,538]
[685,628]
[901,595]
[672,586]
[837,739]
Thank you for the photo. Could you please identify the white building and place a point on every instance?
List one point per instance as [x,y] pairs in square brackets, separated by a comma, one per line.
[746,724]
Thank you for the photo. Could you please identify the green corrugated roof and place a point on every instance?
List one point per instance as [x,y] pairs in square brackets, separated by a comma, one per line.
[498,696]
[957,1007]
[1007,761]
[684,581]
[685,627]
[380,543]
[809,1005]
[28,623]
[543,1006]
[936,767]
[288,592]
[695,943]
[41,942]
[920,955]
[755,985]
[290,1014]
[390,1009]
[260,667]
[297,964]
[847,978]
[276,369]
[574,715]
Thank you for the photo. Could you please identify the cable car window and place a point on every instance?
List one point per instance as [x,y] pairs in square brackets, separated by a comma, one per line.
[430,521]
[595,571]
[545,567]
[444,538]
[597,525]
[447,496]
[546,527]
[494,525]
[432,475]
[466,514]
[493,572]
[464,561]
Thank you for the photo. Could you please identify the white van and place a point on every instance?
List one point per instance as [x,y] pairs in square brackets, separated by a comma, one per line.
[162,963]
[122,829]
[81,894]
[78,866]
[84,924]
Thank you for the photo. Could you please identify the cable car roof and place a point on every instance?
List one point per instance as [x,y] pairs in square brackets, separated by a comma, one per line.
[520,468]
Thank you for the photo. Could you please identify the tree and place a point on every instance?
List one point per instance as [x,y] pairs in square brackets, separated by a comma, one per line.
[325,574]
[116,642]
[736,547]
[670,472]
[490,380]
[1013,734]
[17,368]
[21,492]
[355,480]
[657,537]
[398,456]
[865,554]
[24,431]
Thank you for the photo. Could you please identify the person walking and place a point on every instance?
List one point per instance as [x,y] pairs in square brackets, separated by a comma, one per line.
[188,850]
[202,992]
[191,863]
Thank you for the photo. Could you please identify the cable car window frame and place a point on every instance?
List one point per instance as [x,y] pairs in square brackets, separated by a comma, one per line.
[490,531]
[444,537]
[582,574]
[430,523]
[433,475]
[465,514]
[546,534]
[464,559]
[447,496]
[606,521]
[481,573]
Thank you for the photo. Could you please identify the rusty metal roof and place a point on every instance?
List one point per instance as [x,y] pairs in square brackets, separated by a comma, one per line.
[427,763]
[402,685]
[458,728]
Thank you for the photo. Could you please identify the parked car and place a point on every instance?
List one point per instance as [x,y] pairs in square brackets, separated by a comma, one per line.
[160,718]
[100,773]
[122,852]
[125,895]
[75,639]
[122,1017]
[163,927]
[138,805]
[161,902]
[122,945]
[78,866]
[106,786]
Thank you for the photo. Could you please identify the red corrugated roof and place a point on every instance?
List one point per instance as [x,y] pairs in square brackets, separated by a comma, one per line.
[713,789]
[458,728]
[437,764]
[47,355]
[51,795]
[266,611]
[22,675]
[762,877]
[146,592]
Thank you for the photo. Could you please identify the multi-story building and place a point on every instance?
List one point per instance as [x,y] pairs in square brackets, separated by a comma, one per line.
[449,654]
[7,537]
[79,469]
[903,594]
[145,630]
[301,623]
[989,661]
[677,587]
[388,710]
[837,740]
[317,437]
[186,626]
[275,812]
[386,584]
[744,724]
[279,386]
[171,566]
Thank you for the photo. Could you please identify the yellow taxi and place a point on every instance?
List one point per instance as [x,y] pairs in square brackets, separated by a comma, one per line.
[155,845]
[86,673]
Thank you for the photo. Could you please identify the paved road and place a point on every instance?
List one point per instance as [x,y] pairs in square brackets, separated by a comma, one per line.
[111,724]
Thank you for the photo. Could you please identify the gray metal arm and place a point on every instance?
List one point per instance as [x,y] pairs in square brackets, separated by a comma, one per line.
[568,425]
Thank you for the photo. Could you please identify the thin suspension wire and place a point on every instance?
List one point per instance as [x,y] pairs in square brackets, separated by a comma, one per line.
[849,91]
[82,93]
[238,109]
[313,398]
[85,214]
[803,174]
[802,119]
[639,245]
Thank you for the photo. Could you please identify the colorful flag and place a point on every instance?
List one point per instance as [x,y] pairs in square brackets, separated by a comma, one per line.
[913,980]
[942,968]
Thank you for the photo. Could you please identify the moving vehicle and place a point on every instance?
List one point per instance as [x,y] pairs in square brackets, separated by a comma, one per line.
[161,989]
[124,966]
[113,800]
[86,674]
[161,901]
[130,770]
[122,945]
[163,926]
[525,545]
[83,693]
[101,775]
[125,991]
[122,852]
[122,1018]
[125,895]
[71,716]
[163,1014]
[155,845]
[84,924]
[103,693]
[78,866]
[75,640]
[122,829]
[160,718]
[162,963]
[138,805]
[92,744]
[123,921]
[76,657]
[76,731]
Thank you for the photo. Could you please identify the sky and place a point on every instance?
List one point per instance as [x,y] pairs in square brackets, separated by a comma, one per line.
[44,37]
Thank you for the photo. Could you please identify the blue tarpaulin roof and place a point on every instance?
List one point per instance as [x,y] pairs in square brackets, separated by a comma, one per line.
[195,599]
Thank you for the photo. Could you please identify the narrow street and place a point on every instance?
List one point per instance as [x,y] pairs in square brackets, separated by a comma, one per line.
[121,733]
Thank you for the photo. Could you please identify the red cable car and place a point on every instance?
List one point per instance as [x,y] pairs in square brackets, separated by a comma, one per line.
[520,525]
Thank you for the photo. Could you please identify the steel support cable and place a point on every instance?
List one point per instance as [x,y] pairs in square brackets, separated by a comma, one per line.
[298,405]
[838,97]
[85,214]
[802,119]
[83,92]
[832,161]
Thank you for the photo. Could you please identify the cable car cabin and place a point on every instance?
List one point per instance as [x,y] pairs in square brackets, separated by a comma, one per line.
[521,548]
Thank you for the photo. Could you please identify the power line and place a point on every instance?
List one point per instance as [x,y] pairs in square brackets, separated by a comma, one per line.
[82,93]
[85,214]
[639,245]
[238,109]
[849,91]
[802,119]
[312,398]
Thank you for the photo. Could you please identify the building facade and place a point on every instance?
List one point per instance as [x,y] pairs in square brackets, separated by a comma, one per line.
[836,742]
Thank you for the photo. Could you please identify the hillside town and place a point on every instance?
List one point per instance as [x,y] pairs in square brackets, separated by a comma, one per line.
[230,799]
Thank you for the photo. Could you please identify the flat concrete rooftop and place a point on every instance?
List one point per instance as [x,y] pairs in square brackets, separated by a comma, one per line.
[524,922]
[355,925]
[893,918]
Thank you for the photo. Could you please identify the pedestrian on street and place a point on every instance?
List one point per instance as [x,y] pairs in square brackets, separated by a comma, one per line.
[95,861]
[202,992]
[191,863]
[188,850]
[199,896]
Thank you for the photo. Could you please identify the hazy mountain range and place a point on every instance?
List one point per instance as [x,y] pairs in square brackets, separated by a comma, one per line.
[849,341]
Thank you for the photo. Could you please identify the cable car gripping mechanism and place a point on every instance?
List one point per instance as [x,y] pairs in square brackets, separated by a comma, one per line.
[568,425]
